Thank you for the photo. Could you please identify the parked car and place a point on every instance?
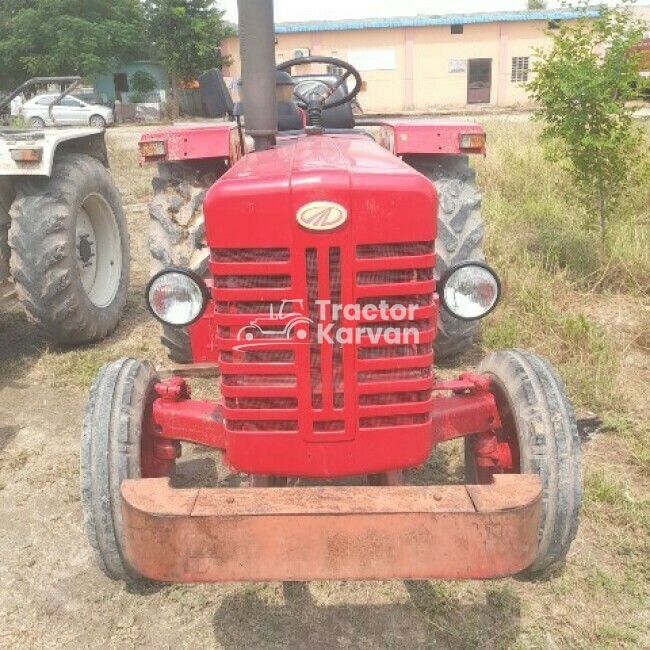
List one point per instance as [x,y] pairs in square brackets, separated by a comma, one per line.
[69,111]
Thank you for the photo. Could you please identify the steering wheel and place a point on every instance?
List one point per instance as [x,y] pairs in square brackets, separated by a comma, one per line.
[326,102]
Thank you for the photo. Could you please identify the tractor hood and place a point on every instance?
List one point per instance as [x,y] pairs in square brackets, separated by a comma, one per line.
[266,199]
[339,222]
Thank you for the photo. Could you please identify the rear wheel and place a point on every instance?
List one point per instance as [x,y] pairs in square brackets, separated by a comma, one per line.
[37,123]
[460,237]
[70,250]
[177,233]
[117,444]
[6,199]
[538,436]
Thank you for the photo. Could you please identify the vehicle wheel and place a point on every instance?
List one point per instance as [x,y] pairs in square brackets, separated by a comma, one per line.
[177,233]
[117,444]
[37,123]
[539,435]
[6,199]
[460,237]
[70,250]
[98,122]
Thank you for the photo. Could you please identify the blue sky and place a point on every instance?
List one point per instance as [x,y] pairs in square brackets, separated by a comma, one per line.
[297,10]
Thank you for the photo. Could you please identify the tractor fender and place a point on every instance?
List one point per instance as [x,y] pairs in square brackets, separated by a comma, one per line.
[47,145]
[185,144]
[440,137]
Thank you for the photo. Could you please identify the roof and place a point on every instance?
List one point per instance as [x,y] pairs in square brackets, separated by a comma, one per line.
[429,21]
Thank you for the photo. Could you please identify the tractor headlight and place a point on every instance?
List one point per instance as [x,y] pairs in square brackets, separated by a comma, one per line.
[470,290]
[177,296]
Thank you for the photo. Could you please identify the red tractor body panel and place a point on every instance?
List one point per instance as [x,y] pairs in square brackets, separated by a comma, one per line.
[308,407]
[400,137]
[430,137]
[178,144]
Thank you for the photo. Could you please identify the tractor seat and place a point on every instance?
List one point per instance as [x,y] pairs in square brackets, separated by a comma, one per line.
[290,117]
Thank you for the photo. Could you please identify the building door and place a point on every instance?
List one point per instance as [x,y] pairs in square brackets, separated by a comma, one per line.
[479,81]
[121,82]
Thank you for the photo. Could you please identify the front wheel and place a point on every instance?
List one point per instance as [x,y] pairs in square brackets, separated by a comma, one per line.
[539,436]
[98,122]
[117,444]
[37,123]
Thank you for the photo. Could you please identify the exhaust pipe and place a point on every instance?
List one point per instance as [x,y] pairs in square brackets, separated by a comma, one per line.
[257,51]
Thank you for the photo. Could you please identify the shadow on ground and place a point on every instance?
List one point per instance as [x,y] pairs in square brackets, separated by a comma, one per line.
[431,618]
[22,343]
[7,434]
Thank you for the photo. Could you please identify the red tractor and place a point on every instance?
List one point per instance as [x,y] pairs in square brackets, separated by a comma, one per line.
[343,228]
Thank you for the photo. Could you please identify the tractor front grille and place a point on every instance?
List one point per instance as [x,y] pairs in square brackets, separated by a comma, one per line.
[277,376]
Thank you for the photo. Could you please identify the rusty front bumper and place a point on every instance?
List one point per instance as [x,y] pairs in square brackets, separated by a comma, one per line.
[338,533]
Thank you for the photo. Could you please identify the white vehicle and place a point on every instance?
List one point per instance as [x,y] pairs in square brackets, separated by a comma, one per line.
[69,111]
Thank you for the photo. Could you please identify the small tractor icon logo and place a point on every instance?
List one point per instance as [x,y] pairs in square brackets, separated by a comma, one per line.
[294,323]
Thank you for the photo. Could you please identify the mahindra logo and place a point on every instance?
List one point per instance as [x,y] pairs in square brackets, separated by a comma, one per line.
[322,215]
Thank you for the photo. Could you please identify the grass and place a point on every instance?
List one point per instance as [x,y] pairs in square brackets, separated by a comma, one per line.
[540,241]
[532,206]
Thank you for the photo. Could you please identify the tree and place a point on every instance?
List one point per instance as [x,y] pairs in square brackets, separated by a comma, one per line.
[583,85]
[65,37]
[186,35]
[536,4]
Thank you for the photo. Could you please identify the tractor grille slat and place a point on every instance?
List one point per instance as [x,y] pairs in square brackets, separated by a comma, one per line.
[279,382]
[395,380]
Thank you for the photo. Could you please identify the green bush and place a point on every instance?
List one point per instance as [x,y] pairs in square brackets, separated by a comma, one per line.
[142,82]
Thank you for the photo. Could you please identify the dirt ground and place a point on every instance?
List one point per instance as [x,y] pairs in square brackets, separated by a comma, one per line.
[52,595]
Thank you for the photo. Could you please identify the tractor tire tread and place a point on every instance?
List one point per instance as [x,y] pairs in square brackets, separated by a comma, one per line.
[43,255]
[177,235]
[7,196]
[110,453]
[549,446]
[460,237]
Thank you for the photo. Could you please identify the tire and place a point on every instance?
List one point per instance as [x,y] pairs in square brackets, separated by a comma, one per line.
[113,445]
[6,199]
[97,122]
[460,237]
[177,233]
[533,405]
[37,123]
[70,250]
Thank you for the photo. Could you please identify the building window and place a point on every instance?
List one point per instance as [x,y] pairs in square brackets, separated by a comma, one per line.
[335,70]
[457,29]
[519,69]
